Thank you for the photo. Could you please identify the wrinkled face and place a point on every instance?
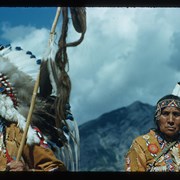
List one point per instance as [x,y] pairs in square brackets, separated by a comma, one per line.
[169,121]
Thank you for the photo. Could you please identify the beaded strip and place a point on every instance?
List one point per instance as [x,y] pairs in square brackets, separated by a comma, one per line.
[167,157]
[166,103]
[3,148]
[6,88]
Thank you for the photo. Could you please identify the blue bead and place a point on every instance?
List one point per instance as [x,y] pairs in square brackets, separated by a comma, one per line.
[32,56]
[69,116]
[38,61]
[2,89]
[7,45]
[1,47]
[65,129]
[68,106]
[29,52]
[18,48]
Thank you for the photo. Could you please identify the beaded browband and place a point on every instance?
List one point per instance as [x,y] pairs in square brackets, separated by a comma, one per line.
[169,103]
[166,103]
[6,88]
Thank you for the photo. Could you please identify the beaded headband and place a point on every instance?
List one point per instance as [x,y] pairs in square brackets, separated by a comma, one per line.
[166,103]
[6,88]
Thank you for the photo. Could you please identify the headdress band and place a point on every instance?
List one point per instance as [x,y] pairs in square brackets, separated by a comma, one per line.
[6,88]
[166,103]
[169,103]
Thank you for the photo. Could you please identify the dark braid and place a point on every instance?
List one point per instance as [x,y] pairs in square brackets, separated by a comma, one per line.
[62,62]
[3,124]
[4,135]
[64,82]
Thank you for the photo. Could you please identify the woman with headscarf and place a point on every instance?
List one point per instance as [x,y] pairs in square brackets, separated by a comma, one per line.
[159,149]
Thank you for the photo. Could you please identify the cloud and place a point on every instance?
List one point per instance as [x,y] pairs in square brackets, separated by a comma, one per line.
[123,58]
[27,37]
[127,54]
[174,62]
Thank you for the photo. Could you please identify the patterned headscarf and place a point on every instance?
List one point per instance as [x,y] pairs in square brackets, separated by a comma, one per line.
[166,101]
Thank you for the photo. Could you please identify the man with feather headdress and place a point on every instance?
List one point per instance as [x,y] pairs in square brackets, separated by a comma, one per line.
[52,141]
[15,93]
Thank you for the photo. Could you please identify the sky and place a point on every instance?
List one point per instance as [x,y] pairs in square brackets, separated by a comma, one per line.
[127,54]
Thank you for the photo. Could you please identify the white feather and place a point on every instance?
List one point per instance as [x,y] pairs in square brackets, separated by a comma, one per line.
[11,114]
[176,90]
[10,58]
[49,56]
[21,60]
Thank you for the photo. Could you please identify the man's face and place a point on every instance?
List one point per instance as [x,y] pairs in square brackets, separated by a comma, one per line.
[169,121]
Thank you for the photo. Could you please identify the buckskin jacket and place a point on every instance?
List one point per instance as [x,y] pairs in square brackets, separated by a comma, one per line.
[151,153]
[37,157]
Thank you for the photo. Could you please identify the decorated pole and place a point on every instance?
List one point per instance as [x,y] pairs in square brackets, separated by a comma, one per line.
[29,117]
[54,24]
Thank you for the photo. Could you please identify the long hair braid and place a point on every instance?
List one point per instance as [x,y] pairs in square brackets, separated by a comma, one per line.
[64,82]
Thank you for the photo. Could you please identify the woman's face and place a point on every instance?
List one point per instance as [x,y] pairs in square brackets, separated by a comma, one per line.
[169,121]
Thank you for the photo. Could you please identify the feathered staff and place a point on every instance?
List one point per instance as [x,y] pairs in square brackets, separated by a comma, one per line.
[52,110]
[36,86]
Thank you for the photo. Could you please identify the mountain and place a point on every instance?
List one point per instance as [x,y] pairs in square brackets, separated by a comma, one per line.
[105,140]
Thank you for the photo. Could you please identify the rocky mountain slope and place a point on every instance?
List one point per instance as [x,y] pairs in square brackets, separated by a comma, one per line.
[105,140]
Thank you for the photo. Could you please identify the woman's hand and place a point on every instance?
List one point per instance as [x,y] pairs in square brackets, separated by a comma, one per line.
[16,166]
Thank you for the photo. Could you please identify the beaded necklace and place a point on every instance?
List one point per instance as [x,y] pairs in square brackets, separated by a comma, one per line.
[167,156]
[3,148]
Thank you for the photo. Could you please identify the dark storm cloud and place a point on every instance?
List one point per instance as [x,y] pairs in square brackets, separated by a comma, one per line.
[174,61]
